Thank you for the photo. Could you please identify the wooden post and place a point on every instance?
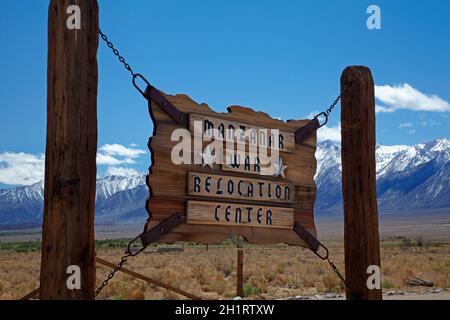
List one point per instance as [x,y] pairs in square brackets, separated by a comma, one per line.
[362,248]
[240,272]
[70,164]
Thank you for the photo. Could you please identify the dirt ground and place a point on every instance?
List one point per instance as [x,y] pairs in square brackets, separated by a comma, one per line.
[269,272]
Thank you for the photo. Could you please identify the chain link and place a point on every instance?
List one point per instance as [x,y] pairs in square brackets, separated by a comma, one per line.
[327,112]
[116,52]
[336,270]
[112,274]
[335,102]
[325,257]
[134,76]
[128,253]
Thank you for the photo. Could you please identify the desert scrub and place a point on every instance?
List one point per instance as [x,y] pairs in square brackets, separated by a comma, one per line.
[212,274]
[331,283]
[387,284]
[446,265]
[31,246]
[250,290]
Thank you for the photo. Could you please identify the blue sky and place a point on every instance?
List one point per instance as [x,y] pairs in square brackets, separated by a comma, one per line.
[281,57]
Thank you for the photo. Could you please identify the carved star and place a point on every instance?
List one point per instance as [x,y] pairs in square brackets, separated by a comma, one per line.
[208,158]
[279,168]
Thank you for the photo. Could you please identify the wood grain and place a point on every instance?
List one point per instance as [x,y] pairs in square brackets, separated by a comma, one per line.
[70,158]
[241,215]
[167,182]
[229,187]
[247,162]
[261,136]
[362,247]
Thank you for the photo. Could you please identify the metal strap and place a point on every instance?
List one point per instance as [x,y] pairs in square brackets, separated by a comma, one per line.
[162,228]
[310,240]
[314,246]
[304,132]
[153,94]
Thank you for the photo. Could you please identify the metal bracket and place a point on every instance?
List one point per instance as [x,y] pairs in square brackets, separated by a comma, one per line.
[311,241]
[304,132]
[162,228]
[153,94]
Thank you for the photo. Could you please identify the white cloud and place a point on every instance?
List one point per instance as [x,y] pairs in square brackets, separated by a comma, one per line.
[103,159]
[329,133]
[121,171]
[121,151]
[412,131]
[117,154]
[404,96]
[405,125]
[114,155]
[21,168]
[381,109]
[26,169]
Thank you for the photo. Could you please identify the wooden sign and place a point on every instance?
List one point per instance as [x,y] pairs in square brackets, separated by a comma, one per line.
[219,186]
[219,200]
[226,214]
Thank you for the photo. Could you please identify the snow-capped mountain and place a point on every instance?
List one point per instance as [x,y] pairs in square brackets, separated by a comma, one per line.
[117,199]
[108,186]
[408,178]
[22,205]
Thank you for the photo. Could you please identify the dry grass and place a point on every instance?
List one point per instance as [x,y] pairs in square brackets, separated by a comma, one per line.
[269,272]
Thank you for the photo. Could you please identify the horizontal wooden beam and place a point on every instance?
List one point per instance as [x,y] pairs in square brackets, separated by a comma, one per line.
[149,280]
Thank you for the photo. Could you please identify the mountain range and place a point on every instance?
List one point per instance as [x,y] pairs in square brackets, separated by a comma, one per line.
[117,199]
[409,178]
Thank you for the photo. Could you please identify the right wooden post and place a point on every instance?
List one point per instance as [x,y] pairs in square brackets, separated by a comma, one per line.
[362,247]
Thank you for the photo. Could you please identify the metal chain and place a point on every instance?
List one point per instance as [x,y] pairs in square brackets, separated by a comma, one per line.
[116,52]
[128,253]
[112,274]
[326,256]
[122,60]
[327,112]
[336,270]
[335,102]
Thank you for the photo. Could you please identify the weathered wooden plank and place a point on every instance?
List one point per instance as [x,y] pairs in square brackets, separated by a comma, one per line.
[71,146]
[242,215]
[149,280]
[247,162]
[359,182]
[216,234]
[220,186]
[257,136]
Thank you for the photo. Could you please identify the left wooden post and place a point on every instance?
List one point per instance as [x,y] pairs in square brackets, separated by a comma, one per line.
[71,146]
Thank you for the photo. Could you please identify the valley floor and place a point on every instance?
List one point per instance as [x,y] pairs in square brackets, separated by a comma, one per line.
[411,245]
[277,272]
